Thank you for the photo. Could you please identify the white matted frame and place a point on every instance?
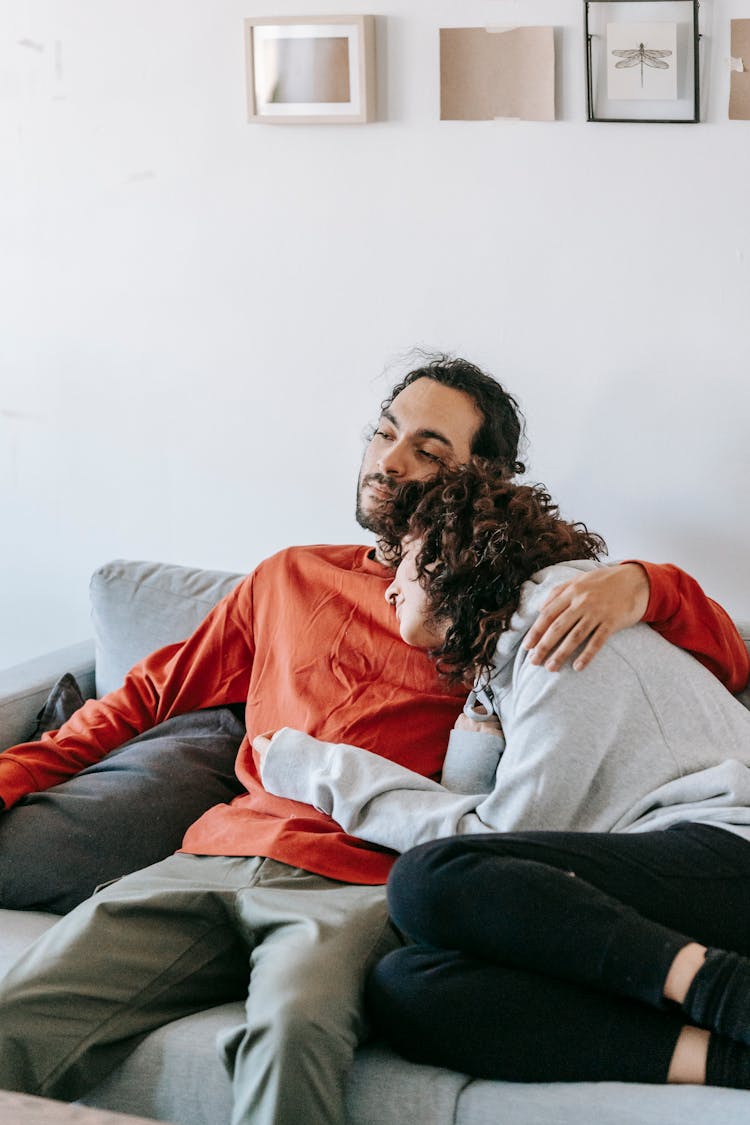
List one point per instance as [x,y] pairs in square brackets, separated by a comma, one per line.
[642,60]
[310,69]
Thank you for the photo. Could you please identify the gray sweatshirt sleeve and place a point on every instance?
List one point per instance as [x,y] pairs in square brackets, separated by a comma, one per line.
[379,800]
[471,761]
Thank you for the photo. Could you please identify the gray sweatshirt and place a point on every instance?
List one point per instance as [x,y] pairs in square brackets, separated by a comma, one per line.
[642,738]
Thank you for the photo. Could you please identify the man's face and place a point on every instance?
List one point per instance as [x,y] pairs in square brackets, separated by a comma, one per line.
[425,427]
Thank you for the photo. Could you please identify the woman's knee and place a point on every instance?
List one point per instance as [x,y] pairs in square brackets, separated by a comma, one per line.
[438,891]
[433,881]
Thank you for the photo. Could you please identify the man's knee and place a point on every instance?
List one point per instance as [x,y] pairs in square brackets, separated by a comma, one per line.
[294,1035]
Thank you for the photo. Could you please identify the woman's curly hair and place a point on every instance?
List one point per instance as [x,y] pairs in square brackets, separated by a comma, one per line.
[480,538]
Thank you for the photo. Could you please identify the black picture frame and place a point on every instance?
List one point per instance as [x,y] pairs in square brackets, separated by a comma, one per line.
[636,107]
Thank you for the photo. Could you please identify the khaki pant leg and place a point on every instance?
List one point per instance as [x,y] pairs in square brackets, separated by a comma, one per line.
[313,941]
[156,945]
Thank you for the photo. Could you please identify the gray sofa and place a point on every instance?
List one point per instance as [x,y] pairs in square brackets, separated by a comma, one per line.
[175,1074]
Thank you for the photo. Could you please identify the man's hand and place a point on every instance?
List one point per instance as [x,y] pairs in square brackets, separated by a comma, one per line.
[585,611]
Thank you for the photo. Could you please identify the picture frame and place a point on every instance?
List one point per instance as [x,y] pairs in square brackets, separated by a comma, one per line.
[642,61]
[310,69]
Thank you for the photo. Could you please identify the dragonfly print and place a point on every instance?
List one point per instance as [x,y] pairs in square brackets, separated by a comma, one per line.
[642,56]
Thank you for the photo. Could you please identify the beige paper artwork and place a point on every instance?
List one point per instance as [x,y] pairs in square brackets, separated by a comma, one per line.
[487,73]
[739,82]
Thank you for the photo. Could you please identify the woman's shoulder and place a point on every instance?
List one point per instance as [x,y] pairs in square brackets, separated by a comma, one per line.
[536,590]
[534,593]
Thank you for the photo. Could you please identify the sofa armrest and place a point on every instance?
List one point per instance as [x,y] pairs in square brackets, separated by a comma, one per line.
[25,687]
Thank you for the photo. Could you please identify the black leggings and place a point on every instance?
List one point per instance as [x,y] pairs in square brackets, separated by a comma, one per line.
[541,956]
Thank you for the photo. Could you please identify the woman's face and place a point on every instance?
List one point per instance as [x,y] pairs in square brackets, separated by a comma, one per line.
[410,602]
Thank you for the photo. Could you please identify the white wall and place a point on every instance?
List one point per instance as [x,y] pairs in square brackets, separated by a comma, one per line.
[196,313]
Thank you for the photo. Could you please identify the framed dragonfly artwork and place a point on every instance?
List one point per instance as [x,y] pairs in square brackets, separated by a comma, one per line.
[642,60]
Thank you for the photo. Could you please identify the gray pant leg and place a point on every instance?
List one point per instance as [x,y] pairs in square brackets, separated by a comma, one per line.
[313,941]
[155,946]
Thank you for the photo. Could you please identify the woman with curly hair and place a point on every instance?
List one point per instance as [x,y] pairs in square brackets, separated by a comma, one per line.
[588,918]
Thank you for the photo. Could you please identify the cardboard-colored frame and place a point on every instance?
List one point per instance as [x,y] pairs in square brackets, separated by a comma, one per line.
[363,80]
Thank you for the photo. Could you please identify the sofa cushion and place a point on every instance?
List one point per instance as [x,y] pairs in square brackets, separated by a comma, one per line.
[744,631]
[18,929]
[138,607]
[63,701]
[175,1074]
[125,812]
[602,1103]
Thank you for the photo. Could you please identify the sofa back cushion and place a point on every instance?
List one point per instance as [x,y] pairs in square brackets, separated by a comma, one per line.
[138,607]
[744,628]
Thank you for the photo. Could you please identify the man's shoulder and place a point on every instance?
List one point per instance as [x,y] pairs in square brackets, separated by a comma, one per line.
[323,551]
[314,556]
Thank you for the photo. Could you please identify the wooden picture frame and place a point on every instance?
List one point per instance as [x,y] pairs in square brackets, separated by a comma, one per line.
[310,69]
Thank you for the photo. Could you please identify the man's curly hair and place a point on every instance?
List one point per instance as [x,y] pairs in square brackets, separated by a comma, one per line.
[480,538]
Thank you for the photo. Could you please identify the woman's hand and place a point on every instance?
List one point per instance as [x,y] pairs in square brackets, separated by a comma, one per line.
[480,726]
[586,611]
[261,744]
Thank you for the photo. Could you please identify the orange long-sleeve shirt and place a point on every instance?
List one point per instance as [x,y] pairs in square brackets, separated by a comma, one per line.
[308,641]
[681,612]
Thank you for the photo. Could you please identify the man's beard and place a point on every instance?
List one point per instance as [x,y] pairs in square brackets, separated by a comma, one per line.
[371,518]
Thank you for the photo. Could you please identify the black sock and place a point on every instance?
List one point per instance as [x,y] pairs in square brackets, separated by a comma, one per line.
[719,997]
[727,1064]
